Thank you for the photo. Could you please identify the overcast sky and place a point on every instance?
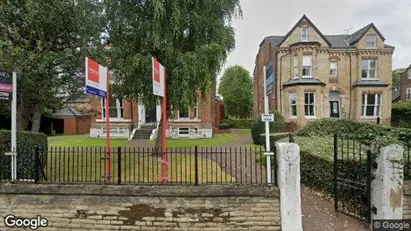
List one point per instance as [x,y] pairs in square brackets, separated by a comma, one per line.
[263,18]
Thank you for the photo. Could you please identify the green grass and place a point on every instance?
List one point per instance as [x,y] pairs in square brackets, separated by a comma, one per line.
[88,166]
[83,141]
[218,139]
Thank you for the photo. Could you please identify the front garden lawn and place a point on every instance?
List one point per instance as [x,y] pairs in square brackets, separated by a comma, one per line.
[83,141]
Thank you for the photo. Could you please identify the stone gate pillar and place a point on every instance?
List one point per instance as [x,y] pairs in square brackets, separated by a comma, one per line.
[387,185]
[288,159]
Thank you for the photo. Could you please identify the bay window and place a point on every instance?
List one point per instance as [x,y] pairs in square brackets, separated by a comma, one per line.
[293,104]
[309,104]
[116,108]
[371,105]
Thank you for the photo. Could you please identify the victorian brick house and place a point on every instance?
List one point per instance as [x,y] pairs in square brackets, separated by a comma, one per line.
[406,85]
[313,75]
[135,120]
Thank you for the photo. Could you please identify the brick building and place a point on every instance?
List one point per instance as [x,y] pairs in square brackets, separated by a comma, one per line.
[133,119]
[406,85]
[325,76]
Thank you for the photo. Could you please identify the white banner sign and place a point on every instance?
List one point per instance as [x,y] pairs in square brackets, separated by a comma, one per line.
[158,78]
[96,78]
[267,117]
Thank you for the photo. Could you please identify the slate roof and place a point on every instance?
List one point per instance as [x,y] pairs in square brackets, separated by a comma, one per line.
[395,95]
[303,81]
[69,112]
[369,83]
[334,41]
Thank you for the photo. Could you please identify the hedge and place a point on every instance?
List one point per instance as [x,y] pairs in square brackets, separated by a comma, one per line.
[401,114]
[242,123]
[258,127]
[26,144]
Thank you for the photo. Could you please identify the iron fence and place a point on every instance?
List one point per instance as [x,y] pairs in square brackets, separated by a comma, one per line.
[187,166]
[407,163]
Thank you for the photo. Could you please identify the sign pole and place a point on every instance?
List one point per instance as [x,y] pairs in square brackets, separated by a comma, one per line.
[267,130]
[164,130]
[14,129]
[108,128]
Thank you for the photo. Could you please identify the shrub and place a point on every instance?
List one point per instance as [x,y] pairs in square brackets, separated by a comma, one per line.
[228,122]
[242,123]
[26,144]
[224,126]
[258,127]
[401,114]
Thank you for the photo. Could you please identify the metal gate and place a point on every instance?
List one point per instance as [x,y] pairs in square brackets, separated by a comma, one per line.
[352,178]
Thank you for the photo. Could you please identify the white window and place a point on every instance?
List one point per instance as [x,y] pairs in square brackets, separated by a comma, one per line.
[408,94]
[371,41]
[183,131]
[309,104]
[371,105]
[295,63]
[333,68]
[183,114]
[307,66]
[116,108]
[304,34]
[195,109]
[369,69]
[293,105]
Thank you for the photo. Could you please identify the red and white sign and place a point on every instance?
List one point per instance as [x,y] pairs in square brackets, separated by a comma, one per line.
[96,78]
[158,78]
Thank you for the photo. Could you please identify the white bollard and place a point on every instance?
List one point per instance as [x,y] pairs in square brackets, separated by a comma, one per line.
[288,159]
[387,186]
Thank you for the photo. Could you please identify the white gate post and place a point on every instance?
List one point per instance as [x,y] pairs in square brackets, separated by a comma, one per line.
[387,186]
[288,159]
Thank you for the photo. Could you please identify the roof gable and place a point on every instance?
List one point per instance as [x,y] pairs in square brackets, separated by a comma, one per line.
[356,36]
[304,17]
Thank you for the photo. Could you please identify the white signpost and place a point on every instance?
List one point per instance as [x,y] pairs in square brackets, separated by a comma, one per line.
[267,118]
[9,86]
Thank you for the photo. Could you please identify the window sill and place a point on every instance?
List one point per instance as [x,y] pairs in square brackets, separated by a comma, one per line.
[293,118]
[185,120]
[114,120]
[369,79]
[370,117]
[310,117]
[371,48]
[307,77]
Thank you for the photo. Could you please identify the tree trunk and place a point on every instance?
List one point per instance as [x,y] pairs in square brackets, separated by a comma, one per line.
[158,148]
[22,116]
[35,126]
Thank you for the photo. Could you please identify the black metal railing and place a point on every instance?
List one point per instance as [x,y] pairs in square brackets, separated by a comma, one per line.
[188,166]
[407,162]
[352,178]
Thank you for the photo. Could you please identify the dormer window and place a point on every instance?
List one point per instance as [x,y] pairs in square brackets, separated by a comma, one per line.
[304,34]
[371,41]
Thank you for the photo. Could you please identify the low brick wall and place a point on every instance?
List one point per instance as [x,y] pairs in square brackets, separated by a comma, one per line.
[144,207]
[407,200]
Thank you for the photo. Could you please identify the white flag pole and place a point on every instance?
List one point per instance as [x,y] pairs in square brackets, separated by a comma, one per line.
[267,129]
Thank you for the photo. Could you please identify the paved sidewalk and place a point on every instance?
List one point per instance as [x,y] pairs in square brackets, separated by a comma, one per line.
[319,214]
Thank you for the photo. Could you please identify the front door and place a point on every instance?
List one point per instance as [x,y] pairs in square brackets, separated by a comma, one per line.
[334,109]
[151,115]
[334,104]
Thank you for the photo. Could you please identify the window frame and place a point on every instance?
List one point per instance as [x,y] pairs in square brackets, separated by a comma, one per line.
[336,69]
[291,105]
[374,41]
[195,111]
[119,108]
[295,67]
[184,118]
[306,34]
[369,68]
[310,67]
[364,105]
[408,94]
[313,104]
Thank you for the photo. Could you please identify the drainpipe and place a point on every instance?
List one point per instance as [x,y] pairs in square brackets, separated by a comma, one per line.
[349,108]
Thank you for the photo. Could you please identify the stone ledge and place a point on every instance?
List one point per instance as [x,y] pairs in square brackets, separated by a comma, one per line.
[138,190]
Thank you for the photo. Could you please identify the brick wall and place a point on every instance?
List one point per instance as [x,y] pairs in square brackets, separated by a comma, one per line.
[407,200]
[144,207]
[405,83]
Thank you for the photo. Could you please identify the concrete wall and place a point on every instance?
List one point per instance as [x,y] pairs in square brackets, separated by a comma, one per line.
[144,207]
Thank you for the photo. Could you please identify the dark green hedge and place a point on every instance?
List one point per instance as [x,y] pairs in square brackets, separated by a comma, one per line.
[258,127]
[227,122]
[242,123]
[26,144]
[401,114]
